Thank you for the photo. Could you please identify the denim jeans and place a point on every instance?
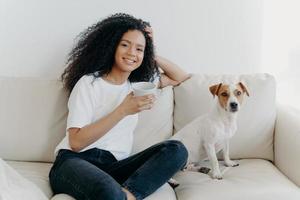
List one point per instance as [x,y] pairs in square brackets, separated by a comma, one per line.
[95,174]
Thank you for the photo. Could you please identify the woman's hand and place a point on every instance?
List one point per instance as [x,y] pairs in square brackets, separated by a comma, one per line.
[149,30]
[134,104]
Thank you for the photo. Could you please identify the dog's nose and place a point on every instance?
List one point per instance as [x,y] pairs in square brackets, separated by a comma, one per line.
[233,105]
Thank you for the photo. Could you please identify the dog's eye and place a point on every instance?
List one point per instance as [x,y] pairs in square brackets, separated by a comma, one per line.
[224,94]
[238,93]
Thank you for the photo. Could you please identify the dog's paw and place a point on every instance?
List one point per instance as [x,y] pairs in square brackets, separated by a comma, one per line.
[231,163]
[196,168]
[204,170]
[217,175]
[192,167]
[173,183]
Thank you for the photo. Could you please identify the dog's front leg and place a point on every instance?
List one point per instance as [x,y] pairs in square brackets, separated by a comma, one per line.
[211,153]
[228,162]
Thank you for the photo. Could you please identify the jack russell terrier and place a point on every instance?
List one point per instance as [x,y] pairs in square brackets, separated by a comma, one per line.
[212,131]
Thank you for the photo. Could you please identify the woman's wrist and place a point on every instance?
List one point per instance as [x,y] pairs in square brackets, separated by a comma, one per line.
[120,111]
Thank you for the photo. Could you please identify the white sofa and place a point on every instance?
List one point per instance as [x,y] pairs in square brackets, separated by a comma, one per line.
[33,115]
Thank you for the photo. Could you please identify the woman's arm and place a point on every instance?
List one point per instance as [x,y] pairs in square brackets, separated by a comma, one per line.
[79,138]
[172,74]
[170,69]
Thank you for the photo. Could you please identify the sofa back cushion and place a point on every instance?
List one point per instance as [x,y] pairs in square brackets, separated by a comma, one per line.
[256,119]
[33,114]
[155,125]
[32,118]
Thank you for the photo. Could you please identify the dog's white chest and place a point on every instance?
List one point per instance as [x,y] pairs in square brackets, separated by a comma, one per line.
[230,128]
[220,130]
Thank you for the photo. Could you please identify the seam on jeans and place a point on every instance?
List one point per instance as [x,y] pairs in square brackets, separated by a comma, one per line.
[135,194]
[74,186]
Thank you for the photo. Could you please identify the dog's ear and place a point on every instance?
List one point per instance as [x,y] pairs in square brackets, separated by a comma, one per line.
[244,88]
[214,89]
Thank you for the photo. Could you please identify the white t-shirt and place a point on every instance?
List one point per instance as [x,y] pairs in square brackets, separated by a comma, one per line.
[92,99]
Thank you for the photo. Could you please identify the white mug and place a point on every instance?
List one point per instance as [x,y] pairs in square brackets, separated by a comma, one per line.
[143,88]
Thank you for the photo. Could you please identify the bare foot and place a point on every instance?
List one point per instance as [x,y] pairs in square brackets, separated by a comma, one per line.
[129,194]
[173,183]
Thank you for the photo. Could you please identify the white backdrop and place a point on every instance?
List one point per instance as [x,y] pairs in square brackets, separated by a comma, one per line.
[201,36]
[205,36]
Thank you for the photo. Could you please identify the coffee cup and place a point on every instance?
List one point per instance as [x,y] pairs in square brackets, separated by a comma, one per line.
[143,88]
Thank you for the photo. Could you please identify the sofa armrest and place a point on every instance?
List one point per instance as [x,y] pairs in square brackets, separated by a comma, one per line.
[287,142]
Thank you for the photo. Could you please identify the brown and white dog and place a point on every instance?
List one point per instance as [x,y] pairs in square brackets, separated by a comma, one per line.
[205,136]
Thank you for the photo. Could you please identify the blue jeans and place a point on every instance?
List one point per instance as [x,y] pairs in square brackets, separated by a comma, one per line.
[96,174]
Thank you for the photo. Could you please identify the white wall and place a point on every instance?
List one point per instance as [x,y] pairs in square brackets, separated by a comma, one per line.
[205,36]
[281,47]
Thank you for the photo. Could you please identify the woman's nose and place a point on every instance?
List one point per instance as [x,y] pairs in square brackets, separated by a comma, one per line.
[131,51]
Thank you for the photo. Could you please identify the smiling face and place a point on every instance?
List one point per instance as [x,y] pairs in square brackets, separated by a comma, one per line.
[130,51]
[230,97]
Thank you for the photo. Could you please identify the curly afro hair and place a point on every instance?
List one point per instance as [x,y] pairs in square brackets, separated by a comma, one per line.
[94,53]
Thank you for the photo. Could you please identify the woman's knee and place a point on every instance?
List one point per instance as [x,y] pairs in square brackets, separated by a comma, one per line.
[177,150]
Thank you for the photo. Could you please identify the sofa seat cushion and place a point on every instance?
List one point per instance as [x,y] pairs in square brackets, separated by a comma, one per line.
[165,192]
[253,179]
[38,174]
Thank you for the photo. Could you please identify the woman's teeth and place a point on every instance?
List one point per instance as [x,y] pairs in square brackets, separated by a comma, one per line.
[129,61]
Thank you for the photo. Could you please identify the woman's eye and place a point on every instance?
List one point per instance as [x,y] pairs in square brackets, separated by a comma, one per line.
[124,45]
[141,50]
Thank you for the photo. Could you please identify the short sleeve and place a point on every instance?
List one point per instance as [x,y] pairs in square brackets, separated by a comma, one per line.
[80,104]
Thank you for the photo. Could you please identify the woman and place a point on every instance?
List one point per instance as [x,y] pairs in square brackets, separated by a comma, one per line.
[93,161]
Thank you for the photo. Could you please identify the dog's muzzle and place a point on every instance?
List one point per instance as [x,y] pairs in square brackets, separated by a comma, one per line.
[233,107]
